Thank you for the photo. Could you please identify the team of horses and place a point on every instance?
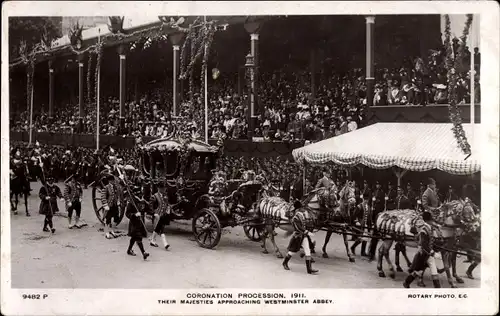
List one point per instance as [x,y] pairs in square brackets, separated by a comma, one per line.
[338,213]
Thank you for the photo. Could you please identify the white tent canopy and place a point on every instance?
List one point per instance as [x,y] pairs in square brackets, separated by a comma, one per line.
[410,146]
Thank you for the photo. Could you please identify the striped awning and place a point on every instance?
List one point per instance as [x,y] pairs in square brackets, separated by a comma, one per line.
[410,146]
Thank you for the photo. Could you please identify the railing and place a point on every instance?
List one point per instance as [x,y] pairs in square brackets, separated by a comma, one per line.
[435,113]
[234,148]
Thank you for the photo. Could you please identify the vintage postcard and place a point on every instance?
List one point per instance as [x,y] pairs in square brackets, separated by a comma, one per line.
[249,158]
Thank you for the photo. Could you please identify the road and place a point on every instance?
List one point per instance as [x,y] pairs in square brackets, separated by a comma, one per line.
[83,258]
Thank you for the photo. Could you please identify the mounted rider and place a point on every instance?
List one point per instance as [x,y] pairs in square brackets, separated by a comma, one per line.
[430,199]
[326,181]
[19,170]
[426,255]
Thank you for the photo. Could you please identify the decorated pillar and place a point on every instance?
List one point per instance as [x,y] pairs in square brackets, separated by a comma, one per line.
[313,74]
[51,89]
[370,76]
[176,40]
[252,27]
[80,92]
[123,88]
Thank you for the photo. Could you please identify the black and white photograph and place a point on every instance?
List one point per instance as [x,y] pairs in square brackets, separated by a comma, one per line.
[249,158]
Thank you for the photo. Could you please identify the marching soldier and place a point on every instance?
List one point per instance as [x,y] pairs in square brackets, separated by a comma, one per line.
[430,199]
[48,194]
[378,200]
[426,256]
[73,196]
[402,201]
[136,229]
[411,195]
[391,197]
[110,201]
[302,237]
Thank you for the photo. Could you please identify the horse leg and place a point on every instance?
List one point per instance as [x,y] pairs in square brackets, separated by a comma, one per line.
[353,247]
[446,262]
[26,204]
[381,251]
[346,243]
[421,278]
[453,261]
[265,233]
[387,256]
[277,251]
[403,251]
[397,251]
[327,239]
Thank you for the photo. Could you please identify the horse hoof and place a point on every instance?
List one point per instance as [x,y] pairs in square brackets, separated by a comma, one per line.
[351,259]
[421,284]
[325,255]
[459,279]
[265,252]
[399,269]
[381,274]
[469,275]
[279,256]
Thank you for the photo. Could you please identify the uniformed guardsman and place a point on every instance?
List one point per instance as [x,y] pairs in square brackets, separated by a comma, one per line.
[162,210]
[302,237]
[426,256]
[73,194]
[136,228]
[391,197]
[48,194]
[378,200]
[402,201]
[110,201]
[411,195]
[451,195]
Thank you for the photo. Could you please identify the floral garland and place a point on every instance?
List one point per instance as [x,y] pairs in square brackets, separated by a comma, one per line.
[99,52]
[452,64]
[89,68]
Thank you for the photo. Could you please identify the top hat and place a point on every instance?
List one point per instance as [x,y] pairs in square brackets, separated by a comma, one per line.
[431,181]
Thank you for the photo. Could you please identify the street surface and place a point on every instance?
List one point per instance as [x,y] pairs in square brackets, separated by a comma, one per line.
[84,258]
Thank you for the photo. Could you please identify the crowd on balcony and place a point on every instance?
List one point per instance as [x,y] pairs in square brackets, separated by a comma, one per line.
[289,109]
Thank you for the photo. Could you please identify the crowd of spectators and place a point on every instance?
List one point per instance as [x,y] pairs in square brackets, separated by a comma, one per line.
[291,110]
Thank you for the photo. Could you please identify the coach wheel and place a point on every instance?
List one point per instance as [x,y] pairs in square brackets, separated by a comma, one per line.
[99,210]
[253,233]
[207,229]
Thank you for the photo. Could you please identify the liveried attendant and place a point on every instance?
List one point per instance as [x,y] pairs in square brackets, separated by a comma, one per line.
[48,194]
[73,193]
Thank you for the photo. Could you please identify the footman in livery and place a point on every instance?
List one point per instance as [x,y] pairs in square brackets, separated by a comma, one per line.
[302,237]
[73,197]
[48,202]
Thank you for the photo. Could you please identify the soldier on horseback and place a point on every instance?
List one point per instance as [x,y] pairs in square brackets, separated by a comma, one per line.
[19,181]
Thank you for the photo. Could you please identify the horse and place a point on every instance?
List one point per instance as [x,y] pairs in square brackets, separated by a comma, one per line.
[343,214]
[397,225]
[19,186]
[275,212]
[459,225]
